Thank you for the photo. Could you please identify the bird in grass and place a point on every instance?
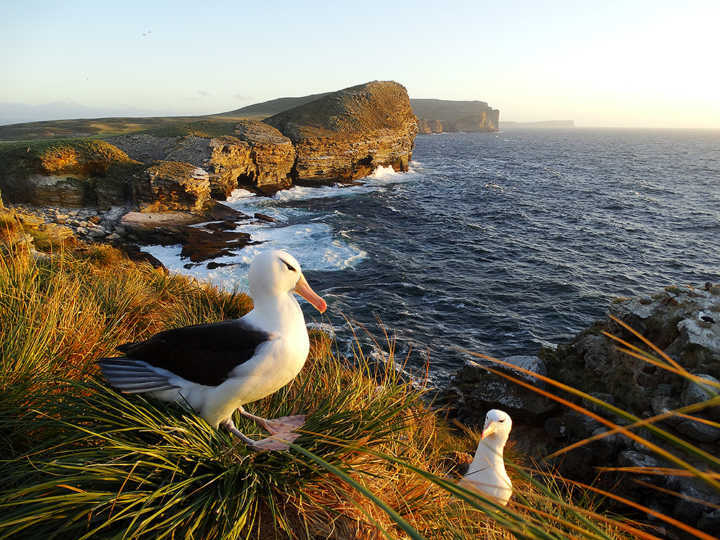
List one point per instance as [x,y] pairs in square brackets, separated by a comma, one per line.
[486,473]
[217,368]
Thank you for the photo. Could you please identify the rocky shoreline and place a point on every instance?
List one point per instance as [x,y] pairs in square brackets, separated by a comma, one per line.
[684,322]
[155,188]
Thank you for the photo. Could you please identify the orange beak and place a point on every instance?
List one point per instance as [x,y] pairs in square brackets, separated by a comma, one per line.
[489,430]
[304,290]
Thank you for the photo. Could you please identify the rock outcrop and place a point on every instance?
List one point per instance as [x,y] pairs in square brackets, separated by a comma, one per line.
[257,156]
[347,134]
[271,153]
[172,185]
[685,324]
[67,174]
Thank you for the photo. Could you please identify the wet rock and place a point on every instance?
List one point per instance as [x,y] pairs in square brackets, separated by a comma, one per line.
[164,228]
[223,212]
[263,217]
[213,265]
[134,253]
[202,244]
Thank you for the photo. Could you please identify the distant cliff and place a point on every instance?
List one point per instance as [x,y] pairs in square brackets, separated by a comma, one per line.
[440,115]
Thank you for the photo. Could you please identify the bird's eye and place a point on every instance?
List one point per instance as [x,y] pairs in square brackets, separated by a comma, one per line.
[501,420]
[290,266]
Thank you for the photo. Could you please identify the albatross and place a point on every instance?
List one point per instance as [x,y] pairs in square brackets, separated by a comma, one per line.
[486,473]
[217,368]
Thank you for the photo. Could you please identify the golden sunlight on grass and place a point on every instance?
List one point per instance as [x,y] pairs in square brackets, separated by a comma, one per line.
[374,458]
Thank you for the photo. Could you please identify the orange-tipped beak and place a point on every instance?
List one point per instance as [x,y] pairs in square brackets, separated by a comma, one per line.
[304,290]
[489,430]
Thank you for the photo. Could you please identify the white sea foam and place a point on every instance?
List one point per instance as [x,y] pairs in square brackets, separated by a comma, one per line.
[311,241]
[312,244]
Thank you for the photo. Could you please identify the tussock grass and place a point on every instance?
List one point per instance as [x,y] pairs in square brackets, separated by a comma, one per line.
[79,460]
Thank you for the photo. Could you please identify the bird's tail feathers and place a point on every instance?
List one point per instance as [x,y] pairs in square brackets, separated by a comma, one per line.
[133,376]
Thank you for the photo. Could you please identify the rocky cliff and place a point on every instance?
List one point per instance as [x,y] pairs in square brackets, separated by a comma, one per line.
[439,115]
[70,174]
[345,135]
[256,156]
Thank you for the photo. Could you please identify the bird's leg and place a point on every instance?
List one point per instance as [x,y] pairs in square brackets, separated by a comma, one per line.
[277,426]
[274,442]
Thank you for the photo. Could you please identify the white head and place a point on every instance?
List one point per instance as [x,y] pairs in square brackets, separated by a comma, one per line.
[274,273]
[497,427]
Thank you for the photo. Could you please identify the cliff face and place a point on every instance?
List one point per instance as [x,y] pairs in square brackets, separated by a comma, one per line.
[256,156]
[345,135]
[74,174]
[438,115]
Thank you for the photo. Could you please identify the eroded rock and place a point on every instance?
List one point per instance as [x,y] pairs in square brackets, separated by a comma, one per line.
[347,134]
[172,186]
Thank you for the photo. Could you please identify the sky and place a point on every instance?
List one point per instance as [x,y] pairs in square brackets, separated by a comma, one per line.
[631,63]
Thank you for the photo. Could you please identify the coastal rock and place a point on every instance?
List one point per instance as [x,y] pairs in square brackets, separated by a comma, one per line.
[216,238]
[65,174]
[272,154]
[145,147]
[171,186]
[56,190]
[257,156]
[695,392]
[669,320]
[427,127]
[474,391]
[202,244]
[347,134]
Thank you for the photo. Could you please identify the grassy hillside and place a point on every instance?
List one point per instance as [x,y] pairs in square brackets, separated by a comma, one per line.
[81,461]
[202,126]
[273,106]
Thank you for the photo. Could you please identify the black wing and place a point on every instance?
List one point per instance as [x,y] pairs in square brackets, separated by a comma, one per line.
[203,354]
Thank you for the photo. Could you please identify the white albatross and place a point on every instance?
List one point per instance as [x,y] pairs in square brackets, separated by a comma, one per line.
[217,368]
[486,473]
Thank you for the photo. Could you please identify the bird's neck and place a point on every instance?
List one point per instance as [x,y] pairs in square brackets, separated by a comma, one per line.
[489,454]
[279,313]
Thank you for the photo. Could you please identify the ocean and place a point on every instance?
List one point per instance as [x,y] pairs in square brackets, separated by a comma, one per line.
[498,243]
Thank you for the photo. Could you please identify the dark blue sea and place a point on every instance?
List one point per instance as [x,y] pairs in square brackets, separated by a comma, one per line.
[497,242]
